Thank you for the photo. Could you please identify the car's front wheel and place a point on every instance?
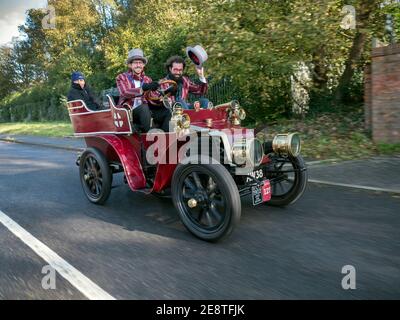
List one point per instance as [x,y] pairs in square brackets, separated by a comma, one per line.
[288,177]
[207,200]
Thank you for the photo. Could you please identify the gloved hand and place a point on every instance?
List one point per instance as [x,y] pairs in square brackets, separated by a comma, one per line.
[150,86]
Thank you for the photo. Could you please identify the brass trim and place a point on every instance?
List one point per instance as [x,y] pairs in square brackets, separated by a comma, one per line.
[282,144]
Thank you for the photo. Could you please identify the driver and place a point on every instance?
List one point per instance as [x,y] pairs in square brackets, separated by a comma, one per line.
[175,66]
[132,85]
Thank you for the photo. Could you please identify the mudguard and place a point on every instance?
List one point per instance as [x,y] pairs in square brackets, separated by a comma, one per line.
[127,154]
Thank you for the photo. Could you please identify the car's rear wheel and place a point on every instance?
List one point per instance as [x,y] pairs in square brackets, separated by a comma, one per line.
[207,200]
[288,177]
[95,175]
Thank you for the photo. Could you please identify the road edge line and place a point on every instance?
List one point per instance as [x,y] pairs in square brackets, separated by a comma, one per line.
[354,186]
[77,279]
[42,145]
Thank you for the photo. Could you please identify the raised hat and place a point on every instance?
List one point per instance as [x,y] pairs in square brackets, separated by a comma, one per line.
[197,54]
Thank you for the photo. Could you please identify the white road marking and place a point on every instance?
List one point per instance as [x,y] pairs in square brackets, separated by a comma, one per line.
[45,145]
[86,286]
[355,186]
[326,161]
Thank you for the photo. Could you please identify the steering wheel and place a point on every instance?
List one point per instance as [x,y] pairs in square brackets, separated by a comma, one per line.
[158,99]
[172,84]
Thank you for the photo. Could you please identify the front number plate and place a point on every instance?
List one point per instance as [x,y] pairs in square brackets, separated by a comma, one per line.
[258,174]
[261,193]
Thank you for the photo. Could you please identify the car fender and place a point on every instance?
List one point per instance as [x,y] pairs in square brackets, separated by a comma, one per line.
[127,154]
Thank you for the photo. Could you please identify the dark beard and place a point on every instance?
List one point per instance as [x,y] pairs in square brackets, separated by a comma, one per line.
[177,79]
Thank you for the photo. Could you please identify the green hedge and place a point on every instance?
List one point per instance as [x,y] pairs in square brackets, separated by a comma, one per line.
[50,110]
[40,103]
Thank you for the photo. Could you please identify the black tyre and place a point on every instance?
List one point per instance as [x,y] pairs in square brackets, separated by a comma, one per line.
[288,180]
[95,175]
[207,200]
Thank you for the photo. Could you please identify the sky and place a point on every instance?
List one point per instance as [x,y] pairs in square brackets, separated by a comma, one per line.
[12,14]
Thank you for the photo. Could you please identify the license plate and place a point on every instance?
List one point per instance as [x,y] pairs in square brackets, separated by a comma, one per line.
[261,193]
[257,174]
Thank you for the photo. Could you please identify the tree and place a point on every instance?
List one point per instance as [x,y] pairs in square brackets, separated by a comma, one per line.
[255,45]
[35,46]
[258,44]
[366,11]
[160,28]
[7,74]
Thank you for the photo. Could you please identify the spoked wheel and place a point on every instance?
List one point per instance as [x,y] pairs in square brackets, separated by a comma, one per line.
[95,174]
[288,177]
[207,200]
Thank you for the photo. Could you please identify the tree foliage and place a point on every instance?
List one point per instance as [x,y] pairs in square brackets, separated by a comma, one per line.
[254,45]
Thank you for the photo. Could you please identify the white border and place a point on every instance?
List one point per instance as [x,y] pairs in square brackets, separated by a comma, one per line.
[83,105]
[100,132]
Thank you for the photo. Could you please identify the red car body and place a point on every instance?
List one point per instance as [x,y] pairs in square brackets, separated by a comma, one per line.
[111,132]
[112,137]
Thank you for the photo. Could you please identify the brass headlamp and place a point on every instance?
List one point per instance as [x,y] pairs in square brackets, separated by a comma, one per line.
[179,119]
[287,144]
[247,152]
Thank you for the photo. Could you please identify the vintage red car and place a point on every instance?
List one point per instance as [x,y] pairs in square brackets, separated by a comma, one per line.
[206,163]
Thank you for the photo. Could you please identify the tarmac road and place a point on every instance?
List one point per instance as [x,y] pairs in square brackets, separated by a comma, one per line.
[134,247]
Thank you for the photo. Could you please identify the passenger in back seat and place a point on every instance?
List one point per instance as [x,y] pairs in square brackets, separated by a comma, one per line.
[81,91]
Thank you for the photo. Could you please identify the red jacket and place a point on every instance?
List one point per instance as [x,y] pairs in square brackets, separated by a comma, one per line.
[126,87]
[188,87]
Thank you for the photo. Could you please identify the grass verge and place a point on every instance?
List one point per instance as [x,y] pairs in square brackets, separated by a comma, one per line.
[49,129]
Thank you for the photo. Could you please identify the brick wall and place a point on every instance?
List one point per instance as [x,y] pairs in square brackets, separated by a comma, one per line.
[382,94]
